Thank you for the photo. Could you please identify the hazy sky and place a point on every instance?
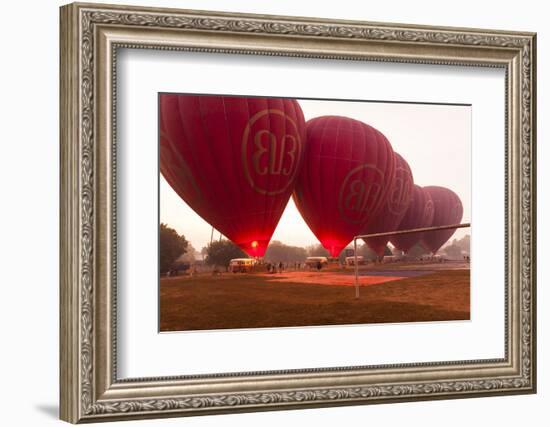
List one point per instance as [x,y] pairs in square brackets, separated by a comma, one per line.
[434,139]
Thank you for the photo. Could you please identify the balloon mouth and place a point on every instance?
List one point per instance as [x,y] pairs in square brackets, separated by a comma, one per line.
[431,249]
[254,248]
[333,248]
[377,245]
[334,252]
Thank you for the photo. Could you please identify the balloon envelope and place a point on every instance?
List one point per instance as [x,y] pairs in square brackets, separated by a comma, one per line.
[419,214]
[233,160]
[347,174]
[389,218]
[447,211]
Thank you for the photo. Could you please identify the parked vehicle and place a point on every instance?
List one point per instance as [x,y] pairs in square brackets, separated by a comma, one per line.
[241,265]
[317,262]
[350,260]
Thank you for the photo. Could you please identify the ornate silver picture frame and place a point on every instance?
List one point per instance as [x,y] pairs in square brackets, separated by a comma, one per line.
[91,36]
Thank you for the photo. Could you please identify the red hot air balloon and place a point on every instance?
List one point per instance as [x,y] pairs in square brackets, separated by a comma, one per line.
[346,177]
[233,160]
[419,215]
[395,208]
[447,211]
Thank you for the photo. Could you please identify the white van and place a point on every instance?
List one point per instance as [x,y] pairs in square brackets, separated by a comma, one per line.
[350,260]
[241,265]
[313,261]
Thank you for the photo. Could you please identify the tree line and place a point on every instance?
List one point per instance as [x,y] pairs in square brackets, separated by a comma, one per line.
[175,248]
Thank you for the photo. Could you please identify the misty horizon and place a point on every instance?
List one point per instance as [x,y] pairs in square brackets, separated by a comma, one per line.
[360,242]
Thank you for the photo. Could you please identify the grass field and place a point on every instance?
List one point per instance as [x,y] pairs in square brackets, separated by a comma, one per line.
[231,301]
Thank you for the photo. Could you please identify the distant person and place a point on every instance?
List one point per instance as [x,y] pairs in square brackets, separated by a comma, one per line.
[281,267]
[319,265]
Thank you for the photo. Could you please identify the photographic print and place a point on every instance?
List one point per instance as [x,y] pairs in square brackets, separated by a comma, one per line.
[281,212]
[309,195]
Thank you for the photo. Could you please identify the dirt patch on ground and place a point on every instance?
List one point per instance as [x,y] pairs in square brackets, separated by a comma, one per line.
[328,278]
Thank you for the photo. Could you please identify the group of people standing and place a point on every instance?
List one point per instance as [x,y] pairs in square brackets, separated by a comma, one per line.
[273,267]
[279,267]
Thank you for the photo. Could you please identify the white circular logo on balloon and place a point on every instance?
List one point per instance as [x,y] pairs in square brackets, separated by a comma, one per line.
[400,195]
[270,158]
[360,193]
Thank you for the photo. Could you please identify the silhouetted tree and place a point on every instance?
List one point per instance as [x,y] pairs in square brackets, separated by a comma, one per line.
[366,252]
[171,246]
[190,255]
[464,243]
[316,250]
[457,248]
[279,252]
[453,251]
[418,250]
[220,252]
